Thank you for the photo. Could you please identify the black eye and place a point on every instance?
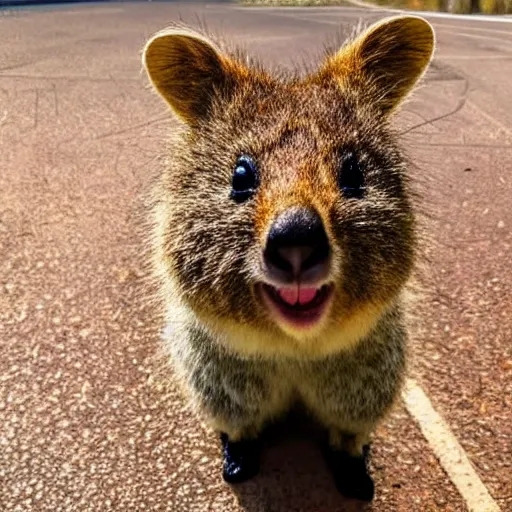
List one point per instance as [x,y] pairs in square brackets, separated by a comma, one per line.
[245,179]
[350,176]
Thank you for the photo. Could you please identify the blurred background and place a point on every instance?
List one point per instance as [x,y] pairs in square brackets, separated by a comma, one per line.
[453,6]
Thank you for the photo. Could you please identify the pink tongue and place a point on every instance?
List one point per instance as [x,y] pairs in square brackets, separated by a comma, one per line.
[307,295]
[289,295]
[301,295]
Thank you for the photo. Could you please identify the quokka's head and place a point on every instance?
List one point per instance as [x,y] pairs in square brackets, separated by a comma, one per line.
[284,209]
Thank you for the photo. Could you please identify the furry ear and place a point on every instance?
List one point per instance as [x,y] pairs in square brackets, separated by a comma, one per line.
[187,70]
[388,58]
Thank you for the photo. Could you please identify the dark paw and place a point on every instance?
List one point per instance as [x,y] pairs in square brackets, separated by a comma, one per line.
[351,475]
[241,459]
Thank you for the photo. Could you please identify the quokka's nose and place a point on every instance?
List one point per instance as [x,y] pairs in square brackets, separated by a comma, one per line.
[297,244]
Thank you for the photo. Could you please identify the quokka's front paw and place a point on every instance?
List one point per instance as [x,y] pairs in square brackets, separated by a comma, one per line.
[241,459]
[351,475]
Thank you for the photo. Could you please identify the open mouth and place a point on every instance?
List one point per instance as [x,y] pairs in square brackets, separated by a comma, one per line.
[300,306]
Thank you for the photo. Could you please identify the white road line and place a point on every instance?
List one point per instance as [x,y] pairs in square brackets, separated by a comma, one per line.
[475,57]
[431,14]
[490,38]
[466,17]
[475,29]
[448,450]
[361,6]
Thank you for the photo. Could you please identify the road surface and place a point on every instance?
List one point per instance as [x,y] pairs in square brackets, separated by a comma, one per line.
[88,421]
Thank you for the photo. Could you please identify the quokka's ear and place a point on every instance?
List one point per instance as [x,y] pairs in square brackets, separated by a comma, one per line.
[389,57]
[187,70]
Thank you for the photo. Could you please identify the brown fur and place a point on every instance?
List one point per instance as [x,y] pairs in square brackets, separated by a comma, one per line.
[241,367]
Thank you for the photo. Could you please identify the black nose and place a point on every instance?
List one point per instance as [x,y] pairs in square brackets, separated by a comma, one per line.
[297,242]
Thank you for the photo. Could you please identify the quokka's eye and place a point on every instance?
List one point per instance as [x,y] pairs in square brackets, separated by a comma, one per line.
[350,176]
[245,179]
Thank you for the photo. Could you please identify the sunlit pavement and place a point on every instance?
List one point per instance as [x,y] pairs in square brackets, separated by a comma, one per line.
[86,421]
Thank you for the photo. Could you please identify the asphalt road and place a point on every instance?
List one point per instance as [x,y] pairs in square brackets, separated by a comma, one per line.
[87,419]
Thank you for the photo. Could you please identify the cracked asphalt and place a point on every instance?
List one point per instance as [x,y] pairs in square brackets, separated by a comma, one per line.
[88,421]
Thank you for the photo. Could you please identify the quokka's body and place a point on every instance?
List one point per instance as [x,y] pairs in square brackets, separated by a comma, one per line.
[284,237]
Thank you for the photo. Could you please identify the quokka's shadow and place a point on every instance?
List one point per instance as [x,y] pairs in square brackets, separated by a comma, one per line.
[294,475]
